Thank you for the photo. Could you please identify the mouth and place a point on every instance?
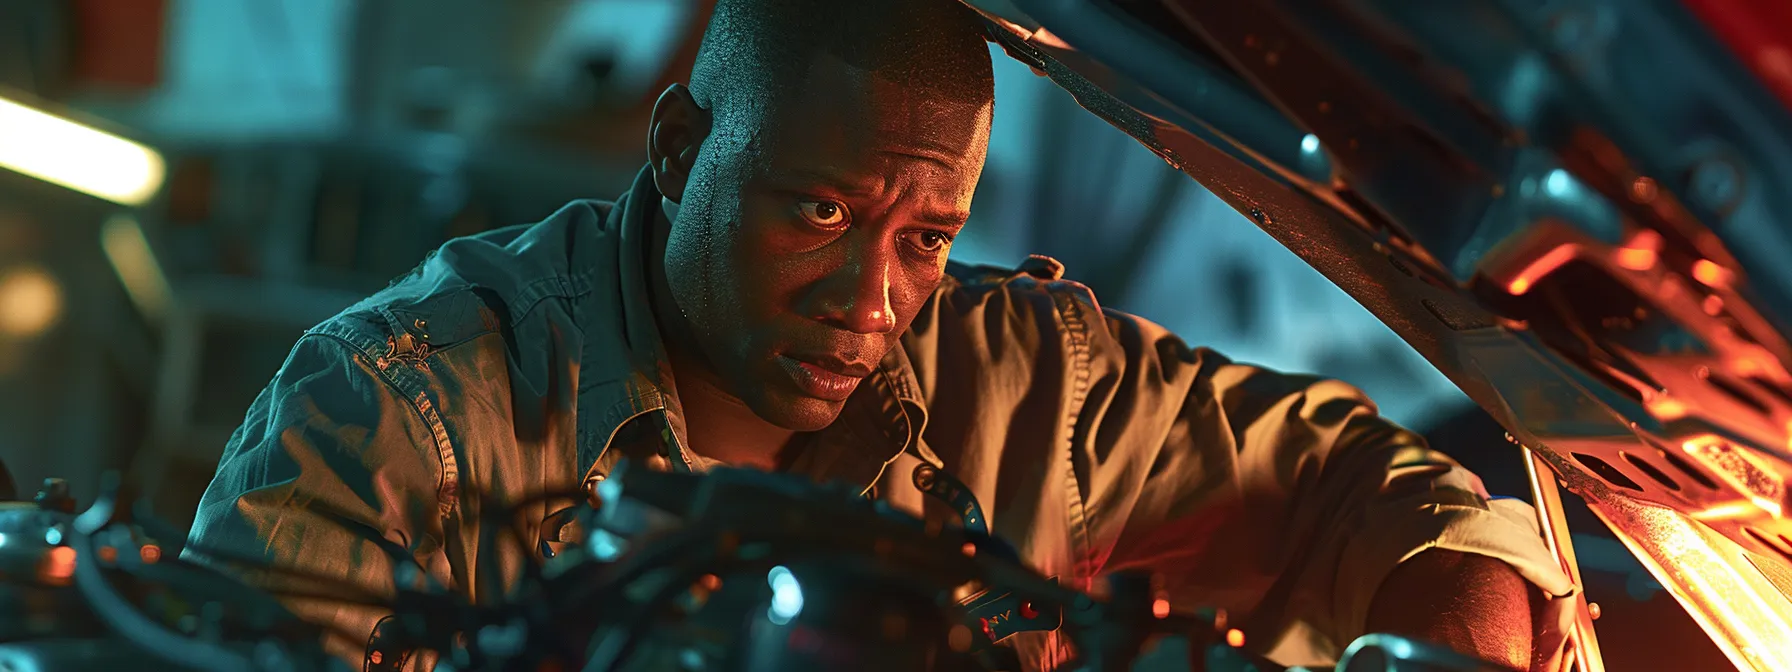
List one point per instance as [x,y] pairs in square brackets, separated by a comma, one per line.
[823,377]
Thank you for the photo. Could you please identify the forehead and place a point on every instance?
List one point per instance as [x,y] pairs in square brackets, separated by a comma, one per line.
[833,110]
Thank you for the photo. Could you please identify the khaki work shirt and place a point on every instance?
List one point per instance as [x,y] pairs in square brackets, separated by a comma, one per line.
[1096,441]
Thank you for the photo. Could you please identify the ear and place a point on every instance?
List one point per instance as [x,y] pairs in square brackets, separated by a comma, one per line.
[674,135]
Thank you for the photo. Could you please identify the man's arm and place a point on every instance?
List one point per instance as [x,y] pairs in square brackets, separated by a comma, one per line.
[1289,499]
[1471,603]
[329,459]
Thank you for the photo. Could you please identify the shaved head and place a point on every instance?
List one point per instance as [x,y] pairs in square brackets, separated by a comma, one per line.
[757,53]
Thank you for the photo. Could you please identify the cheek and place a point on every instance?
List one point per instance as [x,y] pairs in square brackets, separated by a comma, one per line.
[769,274]
[912,291]
[700,269]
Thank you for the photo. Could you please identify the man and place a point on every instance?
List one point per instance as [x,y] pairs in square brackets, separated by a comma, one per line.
[774,292]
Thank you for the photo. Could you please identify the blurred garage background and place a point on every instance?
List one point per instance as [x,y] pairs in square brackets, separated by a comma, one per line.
[303,152]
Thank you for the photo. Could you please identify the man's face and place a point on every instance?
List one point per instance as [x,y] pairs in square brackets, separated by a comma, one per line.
[802,250]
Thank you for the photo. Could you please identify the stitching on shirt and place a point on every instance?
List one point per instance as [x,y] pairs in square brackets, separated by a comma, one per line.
[448,485]
[563,287]
[448,482]
[403,347]
[356,340]
[1076,333]
[448,490]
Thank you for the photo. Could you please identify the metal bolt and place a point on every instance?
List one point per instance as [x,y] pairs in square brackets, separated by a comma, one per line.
[925,477]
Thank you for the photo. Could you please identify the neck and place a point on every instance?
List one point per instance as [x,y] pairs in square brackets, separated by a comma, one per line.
[718,425]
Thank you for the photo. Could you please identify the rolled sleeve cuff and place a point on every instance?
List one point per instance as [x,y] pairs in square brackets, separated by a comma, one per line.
[1506,530]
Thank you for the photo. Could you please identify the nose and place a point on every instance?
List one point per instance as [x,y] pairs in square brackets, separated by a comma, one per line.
[856,297]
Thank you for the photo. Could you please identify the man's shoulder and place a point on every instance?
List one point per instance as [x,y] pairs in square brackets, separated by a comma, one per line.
[980,313]
[471,285]
[1035,303]
[1038,283]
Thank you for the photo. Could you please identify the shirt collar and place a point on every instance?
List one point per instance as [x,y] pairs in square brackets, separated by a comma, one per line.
[880,421]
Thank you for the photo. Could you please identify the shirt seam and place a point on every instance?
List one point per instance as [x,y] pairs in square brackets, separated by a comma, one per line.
[1076,332]
[568,287]
[448,477]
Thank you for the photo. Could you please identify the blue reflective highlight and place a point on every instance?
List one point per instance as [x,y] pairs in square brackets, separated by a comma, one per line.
[1401,649]
[787,596]
[605,546]
[1558,183]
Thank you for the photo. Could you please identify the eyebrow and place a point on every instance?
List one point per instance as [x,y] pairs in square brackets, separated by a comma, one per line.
[838,181]
[928,156]
[950,219]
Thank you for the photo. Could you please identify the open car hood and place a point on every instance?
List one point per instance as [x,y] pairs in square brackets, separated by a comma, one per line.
[1575,210]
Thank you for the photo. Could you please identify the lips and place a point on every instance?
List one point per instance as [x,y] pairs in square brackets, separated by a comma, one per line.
[822,377]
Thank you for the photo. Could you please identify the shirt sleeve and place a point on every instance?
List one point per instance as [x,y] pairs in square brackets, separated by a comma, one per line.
[329,462]
[1286,499]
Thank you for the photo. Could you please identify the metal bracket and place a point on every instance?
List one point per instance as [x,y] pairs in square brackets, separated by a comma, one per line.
[1548,500]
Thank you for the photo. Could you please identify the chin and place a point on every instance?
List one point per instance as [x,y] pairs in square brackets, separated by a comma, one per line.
[797,412]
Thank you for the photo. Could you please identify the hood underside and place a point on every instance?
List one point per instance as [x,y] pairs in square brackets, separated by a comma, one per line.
[1569,208]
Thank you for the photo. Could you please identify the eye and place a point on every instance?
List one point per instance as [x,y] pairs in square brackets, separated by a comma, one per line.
[931,242]
[825,214]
